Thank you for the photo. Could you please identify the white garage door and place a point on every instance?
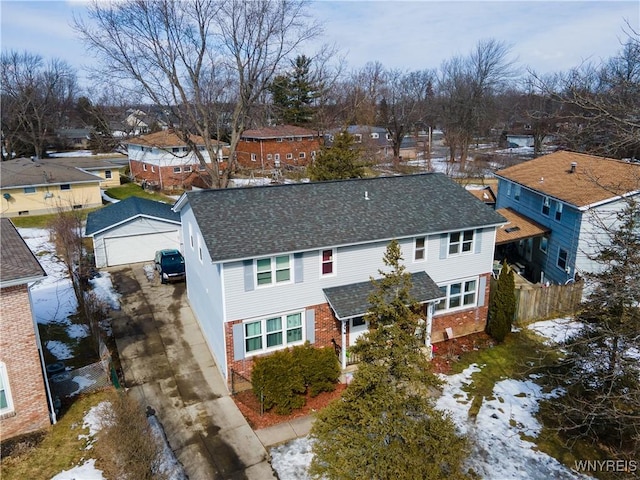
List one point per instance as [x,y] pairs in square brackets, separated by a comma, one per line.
[138,248]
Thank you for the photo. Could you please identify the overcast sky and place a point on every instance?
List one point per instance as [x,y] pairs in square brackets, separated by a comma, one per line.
[412,35]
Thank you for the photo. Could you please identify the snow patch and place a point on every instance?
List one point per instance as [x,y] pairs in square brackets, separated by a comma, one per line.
[103,289]
[556,331]
[86,471]
[58,349]
[292,459]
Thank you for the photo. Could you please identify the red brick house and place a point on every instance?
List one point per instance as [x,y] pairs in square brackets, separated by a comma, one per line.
[281,145]
[24,397]
[164,161]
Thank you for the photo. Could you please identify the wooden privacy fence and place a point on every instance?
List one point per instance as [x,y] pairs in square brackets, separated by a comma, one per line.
[536,301]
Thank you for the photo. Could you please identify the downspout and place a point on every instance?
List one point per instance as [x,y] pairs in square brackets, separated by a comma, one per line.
[427,330]
[52,410]
[344,344]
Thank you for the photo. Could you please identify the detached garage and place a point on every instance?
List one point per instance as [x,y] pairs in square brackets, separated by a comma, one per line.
[132,230]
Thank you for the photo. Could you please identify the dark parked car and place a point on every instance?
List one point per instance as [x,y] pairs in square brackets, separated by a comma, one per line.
[170,265]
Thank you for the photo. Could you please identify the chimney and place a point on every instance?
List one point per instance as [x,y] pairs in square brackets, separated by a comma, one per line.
[573,167]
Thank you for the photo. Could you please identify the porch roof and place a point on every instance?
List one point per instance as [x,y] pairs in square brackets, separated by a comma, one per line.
[518,227]
[348,301]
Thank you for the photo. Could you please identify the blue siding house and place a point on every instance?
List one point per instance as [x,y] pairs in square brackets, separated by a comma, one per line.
[574,197]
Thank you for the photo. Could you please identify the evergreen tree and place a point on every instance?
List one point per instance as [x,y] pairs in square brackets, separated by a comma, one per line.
[337,162]
[293,94]
[600,372]
[503,305]
[385,425]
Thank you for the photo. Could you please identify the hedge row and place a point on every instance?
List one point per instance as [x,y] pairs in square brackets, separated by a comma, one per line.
[282,380]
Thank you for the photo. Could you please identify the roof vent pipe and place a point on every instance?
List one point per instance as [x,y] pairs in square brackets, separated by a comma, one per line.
[366,195]
[573,167]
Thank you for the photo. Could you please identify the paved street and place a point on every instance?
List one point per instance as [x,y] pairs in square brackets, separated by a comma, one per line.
[167,365]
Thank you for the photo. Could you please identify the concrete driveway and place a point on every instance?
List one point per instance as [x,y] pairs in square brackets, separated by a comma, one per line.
[168,366]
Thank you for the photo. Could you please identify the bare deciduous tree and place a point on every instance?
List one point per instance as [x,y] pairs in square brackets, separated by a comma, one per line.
[207,61]
[36,96]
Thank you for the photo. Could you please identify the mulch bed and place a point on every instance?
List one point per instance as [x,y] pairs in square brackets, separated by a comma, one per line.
[445,355]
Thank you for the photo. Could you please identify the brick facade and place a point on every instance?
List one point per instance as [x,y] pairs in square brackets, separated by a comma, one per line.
[264,151]
[19,353]
[164,177]
[462,322]
[327,328]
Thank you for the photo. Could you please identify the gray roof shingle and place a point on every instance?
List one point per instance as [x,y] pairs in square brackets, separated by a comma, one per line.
[18,265]
[349,301]
[22,172]
[256,221]
[127,209]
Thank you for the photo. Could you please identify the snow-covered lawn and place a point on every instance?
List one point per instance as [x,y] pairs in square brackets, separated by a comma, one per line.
[502,434]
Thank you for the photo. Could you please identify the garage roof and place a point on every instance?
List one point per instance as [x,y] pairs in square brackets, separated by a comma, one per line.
[128,209]
[18,265]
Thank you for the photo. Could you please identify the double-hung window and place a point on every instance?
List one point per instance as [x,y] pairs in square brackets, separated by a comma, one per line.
[327,261]
[546,205]
[273,270]
[6,402]
[458,295]
[273,333]
[460,242]
[108,174]
[558,211]
[562,258]
[420,249]
[516,192]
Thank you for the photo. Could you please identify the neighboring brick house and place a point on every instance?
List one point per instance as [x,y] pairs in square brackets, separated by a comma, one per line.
[271,267]
[24,396]
[164,161]
[571,197]
[279,146]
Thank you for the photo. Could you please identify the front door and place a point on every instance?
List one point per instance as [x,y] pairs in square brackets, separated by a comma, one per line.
[357,326]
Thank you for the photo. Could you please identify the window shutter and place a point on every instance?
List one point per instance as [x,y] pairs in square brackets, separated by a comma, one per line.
[478,240]
[248,275]
[298,268]
[310,325]
[444,245]
[238,341]
[482,285]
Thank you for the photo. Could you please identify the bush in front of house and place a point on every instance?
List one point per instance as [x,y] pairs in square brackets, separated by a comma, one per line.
[278,382]
[281,380]
[503,305]
[320,368]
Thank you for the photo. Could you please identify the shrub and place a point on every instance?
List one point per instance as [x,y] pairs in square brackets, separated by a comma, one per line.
[278,382]
[320,368]
[503,305]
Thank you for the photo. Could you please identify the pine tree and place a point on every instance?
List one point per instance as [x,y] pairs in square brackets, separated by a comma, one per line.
[337,162]
[385,425]
[503,305]
[293,94]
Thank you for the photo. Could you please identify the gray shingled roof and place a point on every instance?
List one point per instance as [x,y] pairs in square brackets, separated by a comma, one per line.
[128,209]
[255,221]
[24,172]
[349,301]
[18,265]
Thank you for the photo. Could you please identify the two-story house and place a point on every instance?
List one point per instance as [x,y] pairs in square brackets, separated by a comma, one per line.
[108,167]
[165,161]
[573,196]
[25,401]
[275,266]
[277,146]
[38,187]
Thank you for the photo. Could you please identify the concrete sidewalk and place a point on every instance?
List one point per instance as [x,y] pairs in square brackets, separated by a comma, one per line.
[283,432]
[168,366]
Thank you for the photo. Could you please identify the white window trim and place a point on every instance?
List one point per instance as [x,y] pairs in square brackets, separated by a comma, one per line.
[302,155]
[200,256]
[566,259]
[263,333]
[276,156]
[509,185]
[144,167]
[517,192]
[460,243]
[424,249]
[108,174]
[559,209]
[191,236]
[334,258]
[289,156]
[7,390]
[546,202]
[544,250]
[272,264]
[177,169]
[462,282]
